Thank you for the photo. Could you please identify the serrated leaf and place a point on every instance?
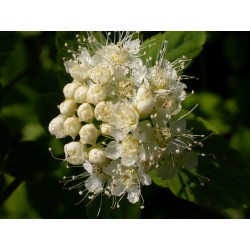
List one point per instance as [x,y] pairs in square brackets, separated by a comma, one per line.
[229,176]
[179,43]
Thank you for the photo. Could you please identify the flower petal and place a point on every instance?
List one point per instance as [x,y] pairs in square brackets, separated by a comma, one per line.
[113,150]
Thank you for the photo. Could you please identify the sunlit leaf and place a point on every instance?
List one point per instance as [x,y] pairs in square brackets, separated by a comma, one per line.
[226,178]
[240,140]
[179,43]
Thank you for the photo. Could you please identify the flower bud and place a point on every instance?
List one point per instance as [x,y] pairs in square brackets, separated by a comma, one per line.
[85,113]
[144,101]
[96,94]
[80,93]
[78,71]
[75,153]
[70,88]
[68,107]
[105,129]
[56,127]
[97,156]
[72,126]
[89,134]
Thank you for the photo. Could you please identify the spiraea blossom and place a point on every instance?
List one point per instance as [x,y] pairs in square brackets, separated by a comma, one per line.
[121,116]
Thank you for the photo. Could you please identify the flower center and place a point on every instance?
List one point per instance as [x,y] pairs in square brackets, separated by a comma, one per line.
[119,56]
[130,146]
[124,89]
[162,135]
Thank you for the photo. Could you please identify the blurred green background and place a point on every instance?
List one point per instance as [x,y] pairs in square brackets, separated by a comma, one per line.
[31,81]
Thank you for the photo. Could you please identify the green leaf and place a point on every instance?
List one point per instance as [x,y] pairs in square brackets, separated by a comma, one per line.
[240,140]
[218,113]
[179,43]
[18,205]
[157,180]
[229,176]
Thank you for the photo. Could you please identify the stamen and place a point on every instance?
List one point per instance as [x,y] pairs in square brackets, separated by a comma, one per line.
[50,150]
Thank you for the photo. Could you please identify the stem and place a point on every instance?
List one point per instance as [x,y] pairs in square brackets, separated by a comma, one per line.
[9,190]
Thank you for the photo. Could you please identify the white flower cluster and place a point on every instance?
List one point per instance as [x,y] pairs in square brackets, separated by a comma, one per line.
[121,114]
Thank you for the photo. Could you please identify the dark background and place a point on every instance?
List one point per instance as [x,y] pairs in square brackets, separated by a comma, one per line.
[31,82]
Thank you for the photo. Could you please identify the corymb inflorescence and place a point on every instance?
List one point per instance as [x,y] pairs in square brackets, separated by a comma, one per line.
[122,113]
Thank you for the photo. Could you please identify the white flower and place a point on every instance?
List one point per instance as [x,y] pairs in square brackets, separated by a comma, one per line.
[173,136]
[96,93]
[138,74]
[130,150]
[162,79]
[94,184]
[93,179]
[133,46]
[68,107]
[171,102]
[72,126]
[89,134]
[70,88]
[75,153]
[97,156]
[78,71]
[144,101]
[124,112]
[123,119]
[101,74]
[179,94]
[81,93]
[56,127]
[124,89]
[151,152]
[85,113]
[119,55]
[79,68]
[102,111]
[126,180]
[96,181]
[85,58]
